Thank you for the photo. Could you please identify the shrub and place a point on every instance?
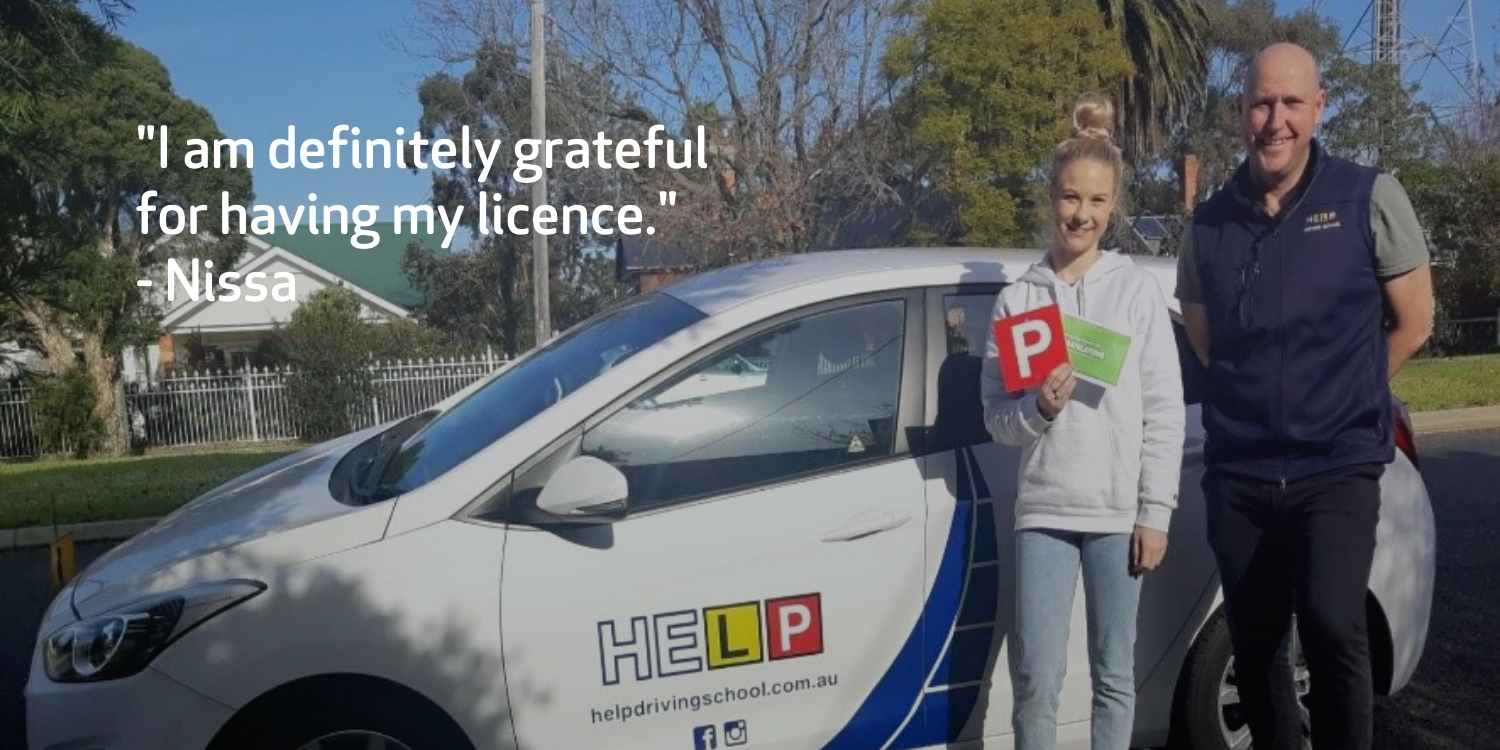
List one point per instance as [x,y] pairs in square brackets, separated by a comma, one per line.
[328,346]
[64,414]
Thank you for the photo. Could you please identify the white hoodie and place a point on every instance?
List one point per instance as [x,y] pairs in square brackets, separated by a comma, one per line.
[1112,458]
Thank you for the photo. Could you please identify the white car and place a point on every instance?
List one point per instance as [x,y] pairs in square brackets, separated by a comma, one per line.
[598,548]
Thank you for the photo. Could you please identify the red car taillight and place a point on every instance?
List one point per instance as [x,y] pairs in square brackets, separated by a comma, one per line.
[1406,440]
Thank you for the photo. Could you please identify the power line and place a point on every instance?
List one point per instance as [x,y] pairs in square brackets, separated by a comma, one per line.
[1382,35]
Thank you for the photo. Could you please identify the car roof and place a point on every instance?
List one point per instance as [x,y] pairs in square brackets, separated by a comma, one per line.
[871,270]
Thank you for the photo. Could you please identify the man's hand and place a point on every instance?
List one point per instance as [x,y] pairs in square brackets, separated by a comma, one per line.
[1056,390]
[1147,548]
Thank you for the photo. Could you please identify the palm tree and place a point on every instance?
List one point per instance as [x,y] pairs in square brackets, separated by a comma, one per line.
[1166,43]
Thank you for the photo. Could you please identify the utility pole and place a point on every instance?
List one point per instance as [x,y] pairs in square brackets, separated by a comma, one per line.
[1388,34]
[540,275]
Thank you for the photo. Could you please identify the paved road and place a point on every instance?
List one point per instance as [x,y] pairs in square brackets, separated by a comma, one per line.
[1452,702]
[25,591]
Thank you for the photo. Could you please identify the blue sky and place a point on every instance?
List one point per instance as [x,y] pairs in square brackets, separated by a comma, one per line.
[1424,18]
[258,67]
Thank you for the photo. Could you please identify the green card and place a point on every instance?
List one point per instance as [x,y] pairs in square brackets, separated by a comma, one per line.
[1097,353]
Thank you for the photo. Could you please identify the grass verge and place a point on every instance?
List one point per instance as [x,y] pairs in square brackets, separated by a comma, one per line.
[109,489]
[1449,383]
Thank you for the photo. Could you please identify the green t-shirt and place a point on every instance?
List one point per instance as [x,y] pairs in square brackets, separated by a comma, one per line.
[1400,244]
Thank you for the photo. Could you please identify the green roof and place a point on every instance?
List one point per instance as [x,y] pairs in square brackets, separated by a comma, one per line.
[377,270]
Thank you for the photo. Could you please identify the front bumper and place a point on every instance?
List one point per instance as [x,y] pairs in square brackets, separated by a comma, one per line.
[148,710]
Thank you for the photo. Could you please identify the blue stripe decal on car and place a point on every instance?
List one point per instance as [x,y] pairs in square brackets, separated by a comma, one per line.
[944,715]
[967,658]
[982,597]
[981,487]
[985,537]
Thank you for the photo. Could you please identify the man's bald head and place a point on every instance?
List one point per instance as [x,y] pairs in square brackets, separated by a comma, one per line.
[1284,59]
[1282,106]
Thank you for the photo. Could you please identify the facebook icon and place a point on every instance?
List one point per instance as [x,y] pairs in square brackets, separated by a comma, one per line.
[705,737]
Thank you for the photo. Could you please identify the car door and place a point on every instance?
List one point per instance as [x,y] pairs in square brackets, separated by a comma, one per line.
[971,488]
[970,493]
[765,585]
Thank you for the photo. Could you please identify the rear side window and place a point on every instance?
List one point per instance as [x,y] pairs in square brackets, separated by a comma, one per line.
[810,395]
[960,410]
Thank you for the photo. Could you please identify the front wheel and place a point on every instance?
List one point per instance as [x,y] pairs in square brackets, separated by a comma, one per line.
[1208,714]
[347,714]
[355,739]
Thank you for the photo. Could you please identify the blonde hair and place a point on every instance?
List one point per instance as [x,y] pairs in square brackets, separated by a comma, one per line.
[1093,127]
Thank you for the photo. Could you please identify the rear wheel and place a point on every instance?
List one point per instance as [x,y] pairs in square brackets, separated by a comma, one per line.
[1209,714]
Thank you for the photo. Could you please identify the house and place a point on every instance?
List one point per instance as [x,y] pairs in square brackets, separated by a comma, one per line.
[14,361]
[650,264]
[229,331]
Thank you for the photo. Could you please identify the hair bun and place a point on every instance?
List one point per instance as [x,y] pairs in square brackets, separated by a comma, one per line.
[1094,117]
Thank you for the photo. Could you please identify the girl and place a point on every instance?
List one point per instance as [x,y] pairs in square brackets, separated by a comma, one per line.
[1099,464]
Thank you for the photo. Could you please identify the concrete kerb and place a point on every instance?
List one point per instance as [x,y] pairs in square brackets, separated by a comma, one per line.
[41,536]
[1456,420]
[1425,423]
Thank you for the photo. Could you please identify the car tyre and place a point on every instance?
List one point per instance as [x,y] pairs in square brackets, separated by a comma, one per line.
[352,716]
[1206,714]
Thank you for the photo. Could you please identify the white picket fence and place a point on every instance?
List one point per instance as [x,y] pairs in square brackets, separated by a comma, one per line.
[17,437]
[252,405]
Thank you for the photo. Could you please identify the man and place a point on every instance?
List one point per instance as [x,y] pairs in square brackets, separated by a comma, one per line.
[1305,286]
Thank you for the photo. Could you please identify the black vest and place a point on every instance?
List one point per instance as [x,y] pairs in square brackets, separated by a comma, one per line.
[1297,380]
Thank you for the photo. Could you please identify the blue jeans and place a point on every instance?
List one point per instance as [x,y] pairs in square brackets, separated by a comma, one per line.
[1047,567]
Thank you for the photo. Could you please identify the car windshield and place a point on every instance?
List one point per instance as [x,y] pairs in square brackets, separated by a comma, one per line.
[546,377]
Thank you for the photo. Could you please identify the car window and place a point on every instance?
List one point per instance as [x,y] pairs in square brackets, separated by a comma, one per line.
[563,366]
[966,319]
[960,412]
[809,395]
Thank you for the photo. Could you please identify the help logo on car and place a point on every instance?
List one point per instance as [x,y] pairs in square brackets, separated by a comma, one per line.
[688,641]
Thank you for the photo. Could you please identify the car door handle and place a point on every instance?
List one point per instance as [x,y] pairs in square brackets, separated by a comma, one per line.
[866,524]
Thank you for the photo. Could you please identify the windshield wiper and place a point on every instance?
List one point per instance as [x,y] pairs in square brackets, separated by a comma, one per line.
[391,443]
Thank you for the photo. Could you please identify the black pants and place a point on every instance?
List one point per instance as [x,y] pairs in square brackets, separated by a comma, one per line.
[1305,547]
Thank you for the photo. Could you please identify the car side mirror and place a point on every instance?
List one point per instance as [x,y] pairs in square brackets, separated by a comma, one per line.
[585,490]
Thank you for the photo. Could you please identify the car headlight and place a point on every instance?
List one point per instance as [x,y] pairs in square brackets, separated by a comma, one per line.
[123,641]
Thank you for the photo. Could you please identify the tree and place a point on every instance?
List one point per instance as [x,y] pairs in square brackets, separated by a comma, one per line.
[46,45]
[459,299]
[76,223]
[991,84]
[789,91]
[1377,120]
[483,294]
[1455,201]
[1169,57]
